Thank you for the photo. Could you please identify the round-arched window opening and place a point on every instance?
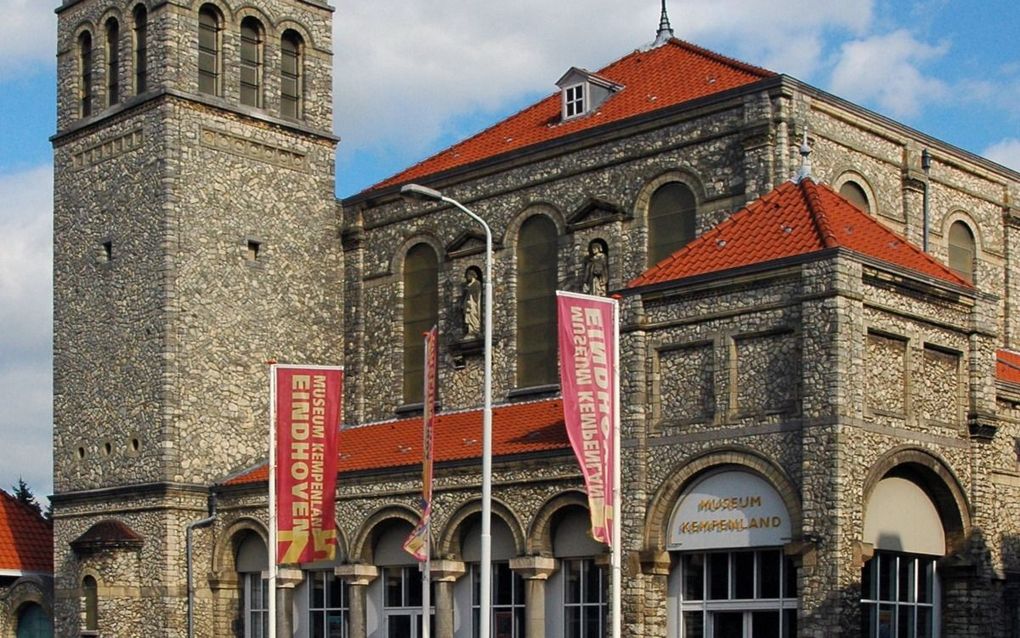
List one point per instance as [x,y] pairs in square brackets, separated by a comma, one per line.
[33,622]
[81,453]
[107,448]
[854,193]
[962,250]
[135,444]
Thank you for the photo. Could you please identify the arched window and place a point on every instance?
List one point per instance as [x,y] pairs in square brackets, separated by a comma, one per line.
[854,193]
[962,250]
[141,48]
[85,70]
[291,74]
[33,622]
[112,62]
[579,589]
[671,220]
[421,311]
[90,592]
[209,26]
[536,302]
[251,62]
[252,563]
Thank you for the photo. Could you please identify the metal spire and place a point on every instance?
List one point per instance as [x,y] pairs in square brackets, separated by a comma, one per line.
[665,30]
[805,163]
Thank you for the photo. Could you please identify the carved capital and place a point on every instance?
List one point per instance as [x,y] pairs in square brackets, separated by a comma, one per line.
[655,562]
[982,426]
[863,552]
[534,567]
[356,574]
[447,571]
[289,577]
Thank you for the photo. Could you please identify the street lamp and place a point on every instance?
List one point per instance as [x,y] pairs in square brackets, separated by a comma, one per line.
[422,193]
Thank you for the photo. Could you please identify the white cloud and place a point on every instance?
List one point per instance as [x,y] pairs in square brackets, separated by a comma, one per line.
[27,34]
[1005,152]
[886,70]
[26,328]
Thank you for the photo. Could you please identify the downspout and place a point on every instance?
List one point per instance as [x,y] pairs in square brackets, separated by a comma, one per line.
[926,167]
[191,589]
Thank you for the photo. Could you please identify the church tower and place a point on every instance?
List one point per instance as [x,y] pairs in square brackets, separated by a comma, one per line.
[196,235]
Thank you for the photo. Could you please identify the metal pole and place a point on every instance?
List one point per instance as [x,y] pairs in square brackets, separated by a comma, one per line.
[485,592]
[617,502]
[926,167]
[272,501]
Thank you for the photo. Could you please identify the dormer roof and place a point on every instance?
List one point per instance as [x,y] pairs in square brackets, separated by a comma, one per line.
[577,75]
[798,219]
[654,79]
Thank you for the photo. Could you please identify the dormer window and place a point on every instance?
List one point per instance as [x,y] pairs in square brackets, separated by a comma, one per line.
[583,92]
[573,101]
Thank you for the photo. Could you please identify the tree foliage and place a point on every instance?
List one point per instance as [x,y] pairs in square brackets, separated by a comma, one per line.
[24,494]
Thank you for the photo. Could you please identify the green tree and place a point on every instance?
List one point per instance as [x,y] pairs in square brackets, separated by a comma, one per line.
[24,494]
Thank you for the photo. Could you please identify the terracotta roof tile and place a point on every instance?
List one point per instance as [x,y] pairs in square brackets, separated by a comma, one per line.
[517,428]
[653,79]
[793,220]
[1007,366]
[26,538]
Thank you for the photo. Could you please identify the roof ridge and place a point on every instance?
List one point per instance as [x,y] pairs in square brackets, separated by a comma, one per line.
[817,210]
[719,57]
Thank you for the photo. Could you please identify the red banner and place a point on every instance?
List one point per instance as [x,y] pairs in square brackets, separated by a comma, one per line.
[587,339]
[308,412]
[417,543]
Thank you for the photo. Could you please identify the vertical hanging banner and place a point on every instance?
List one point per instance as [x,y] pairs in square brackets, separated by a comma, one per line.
[417,544]
[588,360]
[308,412]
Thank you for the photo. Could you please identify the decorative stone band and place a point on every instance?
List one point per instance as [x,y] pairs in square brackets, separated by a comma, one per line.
[250,149]
[108,149]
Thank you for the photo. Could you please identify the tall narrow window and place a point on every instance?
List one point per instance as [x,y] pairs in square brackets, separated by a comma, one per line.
[421,310]
[251,62]
[85,67]
[112,62]
[291,74]
[141,49]
[671,221]
[209,50]
[328,606]
[962,250]
[536,303]
[90,591]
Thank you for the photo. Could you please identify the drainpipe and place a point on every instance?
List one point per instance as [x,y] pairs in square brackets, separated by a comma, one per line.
[925,166]
[191,589]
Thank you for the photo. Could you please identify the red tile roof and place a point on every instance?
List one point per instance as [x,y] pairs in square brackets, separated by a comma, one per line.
[26,538]
[1007,366]
[517,428]
[795,219]
[653,79]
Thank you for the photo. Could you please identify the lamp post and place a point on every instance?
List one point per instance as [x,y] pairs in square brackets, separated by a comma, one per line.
[422,193]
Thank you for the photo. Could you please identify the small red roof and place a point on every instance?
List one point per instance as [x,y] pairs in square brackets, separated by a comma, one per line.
[795,219]
[652,79]
[1007,366]
[517,428]
[26,538]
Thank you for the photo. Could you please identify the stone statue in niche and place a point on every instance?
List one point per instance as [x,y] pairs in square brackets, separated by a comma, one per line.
[471,303]
[596,270]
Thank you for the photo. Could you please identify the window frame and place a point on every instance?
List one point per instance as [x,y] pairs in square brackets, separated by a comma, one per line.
[420,311]
[250,91]
[112,31]
[90,594]
[955,250]
[212,72]
[255,584]
[326,611]
[537,257]
[663,216]
[140,28]
[575,100]
[86,58]
[583,603]
[872,600]
[292,38]
[514,611]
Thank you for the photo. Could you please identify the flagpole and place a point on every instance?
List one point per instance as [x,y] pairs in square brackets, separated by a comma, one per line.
[272,501]
[617,503]
[426,575]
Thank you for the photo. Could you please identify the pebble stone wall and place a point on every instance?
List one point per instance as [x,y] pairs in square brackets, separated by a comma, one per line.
[196,239]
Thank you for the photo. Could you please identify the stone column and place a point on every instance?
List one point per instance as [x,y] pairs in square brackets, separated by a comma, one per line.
[444,574]
[535,570]
[225,591]
[358,577]
[287,578]
[655,566]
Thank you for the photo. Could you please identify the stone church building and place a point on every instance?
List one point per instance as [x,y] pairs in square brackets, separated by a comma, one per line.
[820,346]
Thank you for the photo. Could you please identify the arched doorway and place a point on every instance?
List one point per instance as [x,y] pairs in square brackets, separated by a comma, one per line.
[33,622]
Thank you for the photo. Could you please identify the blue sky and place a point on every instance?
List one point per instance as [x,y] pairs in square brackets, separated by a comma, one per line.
[414,76]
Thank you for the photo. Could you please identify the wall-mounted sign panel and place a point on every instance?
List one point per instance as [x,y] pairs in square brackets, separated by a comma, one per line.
[728,510]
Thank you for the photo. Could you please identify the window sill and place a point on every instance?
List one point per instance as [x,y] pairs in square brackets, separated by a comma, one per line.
[534,391]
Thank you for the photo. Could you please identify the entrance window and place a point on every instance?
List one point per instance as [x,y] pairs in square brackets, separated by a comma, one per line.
[507,601]
[584,599]
[738,594]
[256,605]
[327,605]
[402,602]
[33,622]
[898,596]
